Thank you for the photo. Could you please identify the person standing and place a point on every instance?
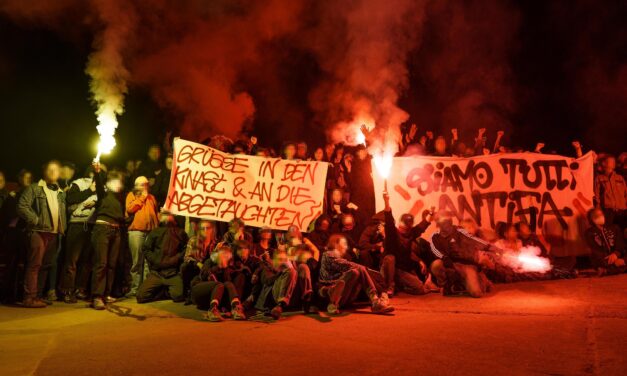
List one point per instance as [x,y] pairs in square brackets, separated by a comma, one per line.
[141,210]
[42,207]
[81,198]
[610,192]
[106,236]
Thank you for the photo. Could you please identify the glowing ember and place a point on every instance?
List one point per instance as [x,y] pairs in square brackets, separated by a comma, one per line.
[527,260]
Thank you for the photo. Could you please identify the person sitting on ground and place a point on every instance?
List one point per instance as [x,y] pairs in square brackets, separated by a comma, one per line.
[457,267]
[277,281]
[244,266]
[163,249]
[264,248]
[508,239]
[606,243]
[198,249]
[341,280]
[530,239]
[321,233]
[400,262]
[237,231]
[215,277]
[370,244]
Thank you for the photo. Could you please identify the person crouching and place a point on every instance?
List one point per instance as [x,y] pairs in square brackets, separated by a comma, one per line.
[342,280]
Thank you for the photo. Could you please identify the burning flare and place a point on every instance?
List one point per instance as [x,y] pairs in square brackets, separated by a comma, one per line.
[528,260]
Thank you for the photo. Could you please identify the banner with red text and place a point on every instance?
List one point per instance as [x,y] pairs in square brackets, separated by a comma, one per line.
[498,188]
[207,183]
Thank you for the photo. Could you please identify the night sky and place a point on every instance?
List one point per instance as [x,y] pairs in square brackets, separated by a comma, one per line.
[568,65]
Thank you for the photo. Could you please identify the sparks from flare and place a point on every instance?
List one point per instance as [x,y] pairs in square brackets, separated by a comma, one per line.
[528,260]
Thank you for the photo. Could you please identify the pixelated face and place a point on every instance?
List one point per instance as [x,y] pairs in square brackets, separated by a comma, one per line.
[525,230]
[301,150]
[469,226]
[319,154]
[168,163]
[223,258]
[280,258]
[67,173]
[336,196]
[511,233]
[329,149]
[234,227]
[440,145]
[154,153]
[289,151]
[243,253]
[342,246]
[206,229]
[52,172]
[27,179]
[324,225]
[266,236]
[348,222]
[609,164]
[130,166]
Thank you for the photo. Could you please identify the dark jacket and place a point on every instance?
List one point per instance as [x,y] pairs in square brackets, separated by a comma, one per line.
[164,249]
[603,242]
[110,206]
[332,266]
[457,247]
[33,208]
[400,245]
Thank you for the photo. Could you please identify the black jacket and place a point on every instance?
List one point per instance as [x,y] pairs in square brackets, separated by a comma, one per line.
[164,249]
[400,245]
[603,242]
[110,206]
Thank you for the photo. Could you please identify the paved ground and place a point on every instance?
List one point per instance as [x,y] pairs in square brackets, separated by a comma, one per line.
[575,327]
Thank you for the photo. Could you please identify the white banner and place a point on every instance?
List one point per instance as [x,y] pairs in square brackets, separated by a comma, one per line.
[207,183]
[498,188]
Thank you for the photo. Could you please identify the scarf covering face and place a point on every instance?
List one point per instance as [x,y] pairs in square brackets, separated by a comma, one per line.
[53,204]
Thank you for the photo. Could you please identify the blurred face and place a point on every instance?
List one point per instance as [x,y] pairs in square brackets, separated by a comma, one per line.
[598,218]
[361,154]
[154,153]
[223,258]
[469,226]
[511,233]
[525,231]
[440,145]
[265,236]
[234,227]
[67,173]
[342,246]
[130,166]
[206,229]
[2,181]
[52,173]
[280,258]
[168,163]
[422,140]
[289,151]
[336,196]
[27,179]
[324,225]
[348,223]
[142,186]
[243,253]
[319,154]
[609,165]
[329,149]
[301,150]
[407,221]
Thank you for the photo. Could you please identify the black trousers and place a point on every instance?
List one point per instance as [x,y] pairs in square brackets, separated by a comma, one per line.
[204,293]
[155,287]
[78,248]
[106,242]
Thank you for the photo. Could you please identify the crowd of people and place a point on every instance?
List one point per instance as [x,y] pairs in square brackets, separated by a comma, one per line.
[104,235]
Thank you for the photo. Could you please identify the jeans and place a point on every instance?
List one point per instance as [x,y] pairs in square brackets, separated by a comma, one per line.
[39,259]
[78,248]
[277,285]
[106,242]
[138,271]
